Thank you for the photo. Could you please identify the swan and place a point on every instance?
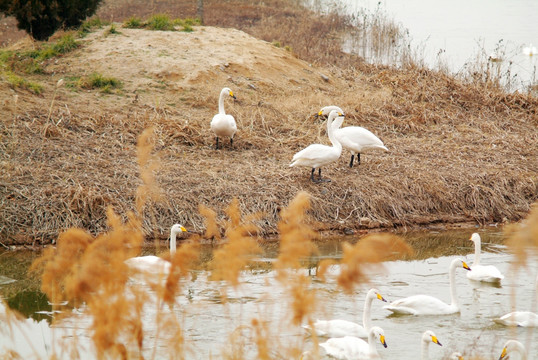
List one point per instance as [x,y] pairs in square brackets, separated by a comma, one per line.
[520,318]
[351,347]
[355,139]
[154,264]
[223,124]
[455,356]
[427,338]
[513,346]
[429,305]
[486,273]
[530,50]
[318,155]
[339,328]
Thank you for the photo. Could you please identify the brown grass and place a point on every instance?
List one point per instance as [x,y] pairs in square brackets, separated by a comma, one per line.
[459,151]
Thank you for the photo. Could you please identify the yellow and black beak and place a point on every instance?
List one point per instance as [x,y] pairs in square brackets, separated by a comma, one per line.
[183,229]
[435,340]
[465,266]
[381,297]
[232,95]
[382,339]
[503,354]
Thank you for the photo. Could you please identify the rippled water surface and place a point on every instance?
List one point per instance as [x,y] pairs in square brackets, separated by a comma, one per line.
[209,324]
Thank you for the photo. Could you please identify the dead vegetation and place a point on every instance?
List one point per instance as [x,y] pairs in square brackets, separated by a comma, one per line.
[460,151]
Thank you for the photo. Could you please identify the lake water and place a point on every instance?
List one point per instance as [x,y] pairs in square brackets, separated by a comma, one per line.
[456,34]
[209,324]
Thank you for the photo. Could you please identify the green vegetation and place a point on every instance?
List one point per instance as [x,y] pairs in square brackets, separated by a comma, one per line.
[89,25]
[98,81]
[15,81]
[161,22]
[133,23]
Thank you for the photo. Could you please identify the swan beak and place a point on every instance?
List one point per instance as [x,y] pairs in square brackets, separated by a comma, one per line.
[503,354]
[381,297]
[340,114]
[434,339]
[465,266]
[382,339]
[183,229]
[232,95]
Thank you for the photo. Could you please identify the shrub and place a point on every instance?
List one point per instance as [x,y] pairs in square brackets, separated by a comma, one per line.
[133,23]
[160,22]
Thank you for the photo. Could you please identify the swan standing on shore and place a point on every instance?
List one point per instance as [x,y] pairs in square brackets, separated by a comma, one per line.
[223,124]
[513,346]
[355,139]
[153,264]
[427,338]
[340,328]
[485,273]
[351,347]
[429,305]
[318,155]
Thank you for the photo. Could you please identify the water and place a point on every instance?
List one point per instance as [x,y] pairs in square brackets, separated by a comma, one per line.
[458,34]
[209,324]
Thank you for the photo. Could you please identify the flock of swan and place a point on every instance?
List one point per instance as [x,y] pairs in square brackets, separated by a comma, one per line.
[345,337]
[355,139]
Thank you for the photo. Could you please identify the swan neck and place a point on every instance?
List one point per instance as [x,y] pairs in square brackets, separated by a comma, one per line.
[366,314]
[172,243]
[221,102]
[477,250]
[371,343]
[330,132]
[425,345]
[452,280]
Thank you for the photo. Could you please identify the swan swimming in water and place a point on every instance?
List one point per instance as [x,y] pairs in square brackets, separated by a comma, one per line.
[318,155]
[223,124]
[355,139]
[339,328]
[520,318]
[351,347]
[153,264]
[485,273]
[513,346]
[429,305]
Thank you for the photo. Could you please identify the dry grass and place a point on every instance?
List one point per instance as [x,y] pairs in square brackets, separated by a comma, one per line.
[459,151]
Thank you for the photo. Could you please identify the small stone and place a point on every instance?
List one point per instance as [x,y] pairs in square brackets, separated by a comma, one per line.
[324,77]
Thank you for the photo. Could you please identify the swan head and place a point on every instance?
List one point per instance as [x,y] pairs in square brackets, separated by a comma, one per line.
[475,238]
[379,334]
[456,356]
[229,92]
[460,262]
[326,110]
[430,336]
[374,293]
[511,346]
[177,229]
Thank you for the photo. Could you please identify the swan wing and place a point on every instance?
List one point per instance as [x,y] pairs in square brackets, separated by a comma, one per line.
[223,125]
[339,328]
[358,139]
[149,264]
[315,155]
[347,347]
[519,318]
[420,305]
[486,273]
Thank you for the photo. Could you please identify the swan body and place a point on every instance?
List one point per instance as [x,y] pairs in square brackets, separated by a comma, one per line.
[318,155]
[513,346]
[350,347]
[223,124]
[429,305]
[485,273]
[428,337]
[530,50]
[520,318]
[340,328]
[355,139]
[154,264]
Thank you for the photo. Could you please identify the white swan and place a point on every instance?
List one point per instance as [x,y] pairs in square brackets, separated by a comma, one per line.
[530,50]
[355,139]
[154,264]
[429,305]
[456,356]
[339,328]
[427,338]
[520,318]
[318,155]
[350,347]
[485,273]
[513,346]
[223,124]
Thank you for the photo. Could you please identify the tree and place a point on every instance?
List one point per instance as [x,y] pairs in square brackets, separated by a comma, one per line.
[41,18]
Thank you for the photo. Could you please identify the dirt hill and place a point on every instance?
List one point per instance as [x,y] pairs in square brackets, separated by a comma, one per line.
[458,153]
